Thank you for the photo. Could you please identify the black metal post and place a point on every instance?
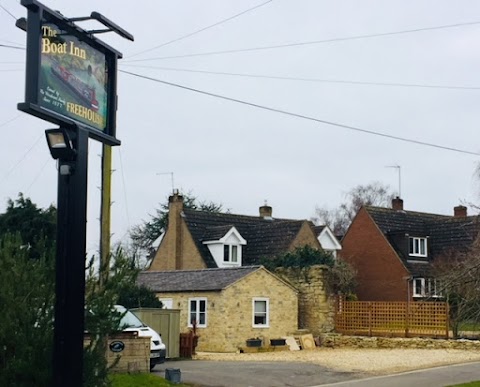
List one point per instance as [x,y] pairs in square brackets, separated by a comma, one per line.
[70,266]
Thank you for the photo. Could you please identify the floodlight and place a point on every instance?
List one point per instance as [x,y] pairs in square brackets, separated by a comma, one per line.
[60,144]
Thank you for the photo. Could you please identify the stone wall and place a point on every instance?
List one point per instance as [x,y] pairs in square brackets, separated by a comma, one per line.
[337,340]
[134,357]
[316,309]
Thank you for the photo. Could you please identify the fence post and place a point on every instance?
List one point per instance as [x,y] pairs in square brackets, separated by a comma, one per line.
[370,319]
[447,320]
[407,318]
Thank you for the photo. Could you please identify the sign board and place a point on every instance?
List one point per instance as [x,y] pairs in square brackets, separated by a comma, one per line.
[71,75]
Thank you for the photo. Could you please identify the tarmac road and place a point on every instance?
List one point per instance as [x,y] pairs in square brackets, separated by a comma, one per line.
[206,373]
[431,377]
[209,373]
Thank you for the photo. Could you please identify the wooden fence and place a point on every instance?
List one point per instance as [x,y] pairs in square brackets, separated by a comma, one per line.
[188,343]
[392,319]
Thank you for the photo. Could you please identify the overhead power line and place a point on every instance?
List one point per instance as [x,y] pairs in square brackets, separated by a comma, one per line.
[307,79]
[10,46]
[202,29]
[7,11]
[309,118]
[296,44]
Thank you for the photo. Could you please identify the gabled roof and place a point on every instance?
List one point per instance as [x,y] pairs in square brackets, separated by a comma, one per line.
[446,233]
[324,234]
[193,280]
[265,238]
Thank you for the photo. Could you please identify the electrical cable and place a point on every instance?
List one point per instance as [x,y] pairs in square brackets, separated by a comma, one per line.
[124,188]
[10,120]
[22,158]
[49,159]
[358,37]
[309,118]
[201,30]
[7,11]
[307,79]
[10,46]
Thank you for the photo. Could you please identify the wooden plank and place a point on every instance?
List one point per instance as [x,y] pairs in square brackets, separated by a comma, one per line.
[292,343]
[307,341]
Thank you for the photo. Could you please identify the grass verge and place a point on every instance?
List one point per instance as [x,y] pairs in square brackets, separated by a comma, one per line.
[141,380]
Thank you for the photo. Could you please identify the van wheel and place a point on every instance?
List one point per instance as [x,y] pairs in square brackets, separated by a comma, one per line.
[152,366]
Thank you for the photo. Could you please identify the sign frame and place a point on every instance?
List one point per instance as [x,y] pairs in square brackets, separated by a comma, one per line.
[38,15]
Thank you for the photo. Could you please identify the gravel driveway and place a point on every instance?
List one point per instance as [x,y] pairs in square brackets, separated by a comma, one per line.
[358,360]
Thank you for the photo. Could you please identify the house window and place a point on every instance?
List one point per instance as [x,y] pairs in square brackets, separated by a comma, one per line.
[419,287]
[197,310]
[167,303]
[261,312]
[418,247]
[230,253]
[426,287]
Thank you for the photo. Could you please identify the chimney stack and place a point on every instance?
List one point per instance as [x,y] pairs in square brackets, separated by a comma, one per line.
[175,210]
[266,211]
[460,212]
[397,204]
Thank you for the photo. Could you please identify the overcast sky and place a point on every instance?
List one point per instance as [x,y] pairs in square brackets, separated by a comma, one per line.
[240,155]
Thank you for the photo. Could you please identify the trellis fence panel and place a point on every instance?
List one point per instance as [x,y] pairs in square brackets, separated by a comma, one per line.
[393,319]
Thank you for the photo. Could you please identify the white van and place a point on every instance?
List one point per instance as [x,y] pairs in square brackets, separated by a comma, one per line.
[131,323]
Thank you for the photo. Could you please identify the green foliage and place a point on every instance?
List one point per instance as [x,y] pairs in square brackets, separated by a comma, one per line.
[27,298]
[133,296]
[101,318]
[140,380]
[341,277]
[27,291]
[37,227]
[145,234]
[301,257]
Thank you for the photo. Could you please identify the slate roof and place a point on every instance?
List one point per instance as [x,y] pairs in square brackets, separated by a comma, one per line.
[193,280]
[265,238]
[446,233]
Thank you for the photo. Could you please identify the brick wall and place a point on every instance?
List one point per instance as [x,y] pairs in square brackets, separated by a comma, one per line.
[229,312]
[316,309]
[380,273]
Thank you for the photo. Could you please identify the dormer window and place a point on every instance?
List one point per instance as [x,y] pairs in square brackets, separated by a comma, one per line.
[418,247]
[231,253]
[225,244]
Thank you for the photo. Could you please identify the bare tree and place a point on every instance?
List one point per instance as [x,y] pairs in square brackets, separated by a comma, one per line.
[457,274]
[339,219]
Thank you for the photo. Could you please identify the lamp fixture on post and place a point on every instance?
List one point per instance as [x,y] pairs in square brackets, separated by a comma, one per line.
[60,144]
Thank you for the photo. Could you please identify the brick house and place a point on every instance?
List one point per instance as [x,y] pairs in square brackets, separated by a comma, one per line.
[230,305]
[393,249]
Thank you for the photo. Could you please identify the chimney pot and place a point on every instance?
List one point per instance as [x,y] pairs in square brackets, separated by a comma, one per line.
[397,204]
[460,212]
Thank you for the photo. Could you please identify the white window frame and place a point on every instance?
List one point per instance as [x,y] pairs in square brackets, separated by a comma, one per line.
[427,285]
[198,301]
[412,242]
[421,282]
[229,257]
[267,312]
